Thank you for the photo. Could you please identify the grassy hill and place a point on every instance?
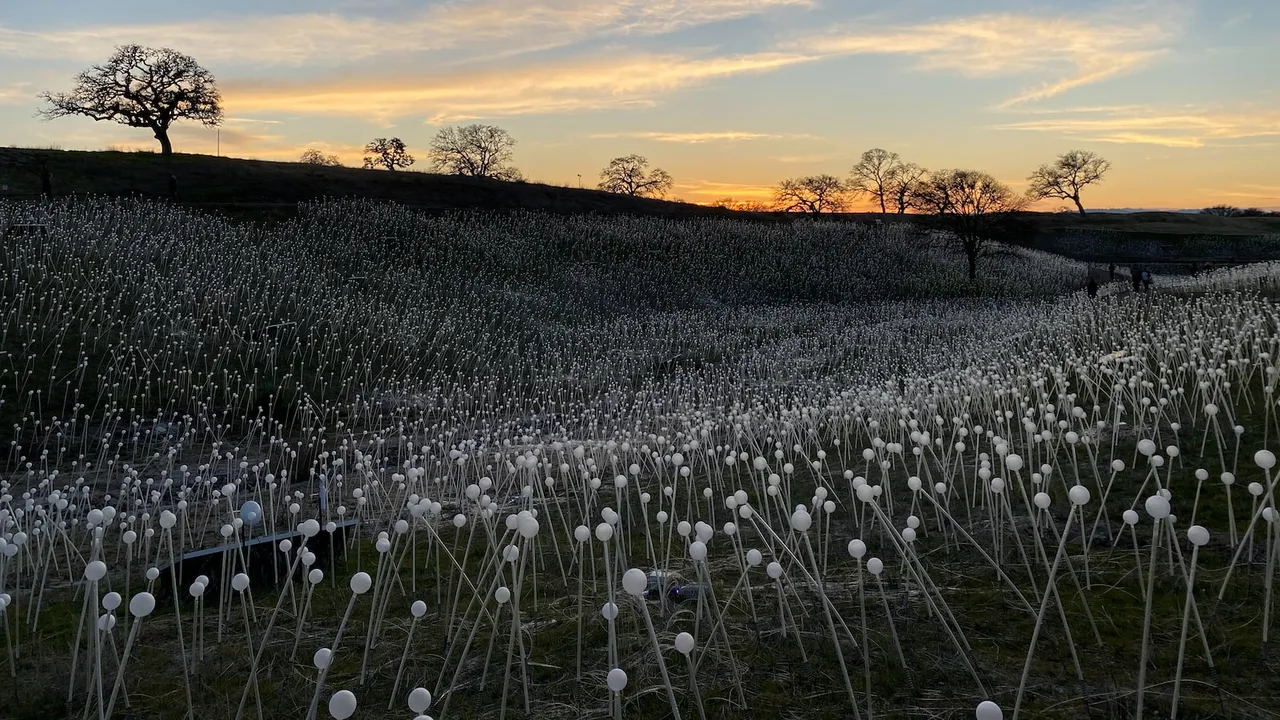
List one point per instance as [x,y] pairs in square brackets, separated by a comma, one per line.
[263,189]
[258,187]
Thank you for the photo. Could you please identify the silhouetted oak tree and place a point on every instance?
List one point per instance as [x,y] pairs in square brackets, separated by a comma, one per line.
[388,153]
[973,210]
[812,194]
[477,150]
[1064,178]
[631,175]
[142,87]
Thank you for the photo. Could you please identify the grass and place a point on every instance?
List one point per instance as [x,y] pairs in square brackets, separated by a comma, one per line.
[260,189]
[779,681]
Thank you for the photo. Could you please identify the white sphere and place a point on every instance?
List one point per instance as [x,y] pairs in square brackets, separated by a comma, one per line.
[1265,459]
[1157,507]
[1198,535]
[142,604]
[698,551]
[419,700]
[342,705]
[684,643]
[774,570]
[502,595]
[528,527]
[909,535]
[604,532]
[1079,495]
[95,571]
[754,558]
[988,710]
[801,521]
[857,549]
[617,680]
[1130,517]
[875,566]
[315,576]
[111,601]
[321,658]
[418,609]
[1013,462]
[634,581]
[581,533]
[360,583]
[240,582]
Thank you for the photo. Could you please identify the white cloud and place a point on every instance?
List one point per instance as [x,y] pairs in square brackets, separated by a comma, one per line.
[697,138]
[1186,127]
[1073,51]
[17,94]
[587,83]
[504,26]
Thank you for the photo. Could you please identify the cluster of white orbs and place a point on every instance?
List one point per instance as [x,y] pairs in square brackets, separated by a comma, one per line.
[446,441]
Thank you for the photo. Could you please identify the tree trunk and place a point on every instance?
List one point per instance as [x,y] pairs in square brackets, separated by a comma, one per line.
[883,209]
[971,248]
[1079,206]
[166,147]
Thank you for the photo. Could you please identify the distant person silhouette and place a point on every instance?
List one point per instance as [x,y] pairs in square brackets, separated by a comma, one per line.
[1135,273]
[1146,280]
[1092,287]
[1111,271]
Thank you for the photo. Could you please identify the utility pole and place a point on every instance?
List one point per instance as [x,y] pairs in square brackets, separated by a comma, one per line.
[579,181]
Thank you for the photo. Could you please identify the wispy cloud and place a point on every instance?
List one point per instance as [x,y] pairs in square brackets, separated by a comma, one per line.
[580,84]
[16,93]
[330,39]
[1073,51]
[1178,128]
[710,189]
[1251,192]
[698,138]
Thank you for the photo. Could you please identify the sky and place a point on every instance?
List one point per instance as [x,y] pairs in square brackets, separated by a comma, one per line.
[729,96]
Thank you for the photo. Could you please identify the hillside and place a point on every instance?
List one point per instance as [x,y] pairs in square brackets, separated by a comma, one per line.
[240,187]
[258,189]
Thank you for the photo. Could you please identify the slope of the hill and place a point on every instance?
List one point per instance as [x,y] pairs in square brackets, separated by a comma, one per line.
[256,188]
[260,188]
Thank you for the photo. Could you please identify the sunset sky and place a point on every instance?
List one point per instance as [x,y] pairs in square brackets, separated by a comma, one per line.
[730,96]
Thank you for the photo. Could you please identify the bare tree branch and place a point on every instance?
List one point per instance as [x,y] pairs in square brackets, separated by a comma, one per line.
[631,175]
[389,153]
[874,176]
[813,194]
[315,157]
[477,150]
[1064,178]
[142,87]
[974,210]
